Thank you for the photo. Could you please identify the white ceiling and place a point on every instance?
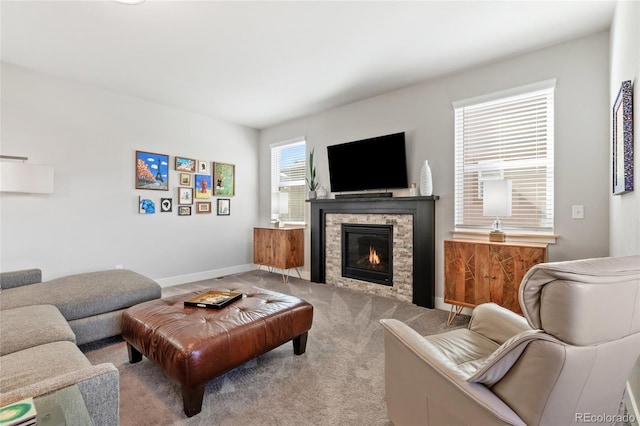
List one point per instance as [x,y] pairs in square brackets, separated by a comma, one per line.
[261,63]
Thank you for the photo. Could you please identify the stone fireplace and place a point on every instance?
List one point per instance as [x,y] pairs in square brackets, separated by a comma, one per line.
[411,245]
[370,230]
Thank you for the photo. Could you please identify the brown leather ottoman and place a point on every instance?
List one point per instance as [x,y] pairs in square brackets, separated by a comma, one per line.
[194,345]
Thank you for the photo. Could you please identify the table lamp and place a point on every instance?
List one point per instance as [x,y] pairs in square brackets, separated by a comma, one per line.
[496,202]
[279,206]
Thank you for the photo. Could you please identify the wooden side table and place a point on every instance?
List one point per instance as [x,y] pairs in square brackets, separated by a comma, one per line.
[281,248]
[477,272]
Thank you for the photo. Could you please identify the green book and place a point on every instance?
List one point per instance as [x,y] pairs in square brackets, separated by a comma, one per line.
[19,413]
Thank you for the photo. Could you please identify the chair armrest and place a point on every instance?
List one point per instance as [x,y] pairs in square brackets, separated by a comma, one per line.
[98,384]
[417,376]
[497,323]
[19,278]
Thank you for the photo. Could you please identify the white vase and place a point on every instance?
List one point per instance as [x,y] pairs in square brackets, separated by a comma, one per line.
[426,182]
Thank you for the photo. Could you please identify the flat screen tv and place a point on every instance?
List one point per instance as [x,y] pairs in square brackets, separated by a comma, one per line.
[369,164]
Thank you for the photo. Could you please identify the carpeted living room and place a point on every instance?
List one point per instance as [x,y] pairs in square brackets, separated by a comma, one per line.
[338,380]
[411,212]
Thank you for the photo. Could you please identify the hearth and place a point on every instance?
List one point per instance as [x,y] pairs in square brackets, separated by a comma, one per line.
[367,253]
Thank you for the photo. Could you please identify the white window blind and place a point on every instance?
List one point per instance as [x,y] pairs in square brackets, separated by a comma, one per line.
[288,167]
[506,136]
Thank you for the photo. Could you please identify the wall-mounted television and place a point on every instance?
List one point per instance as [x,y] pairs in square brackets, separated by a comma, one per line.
[377,163]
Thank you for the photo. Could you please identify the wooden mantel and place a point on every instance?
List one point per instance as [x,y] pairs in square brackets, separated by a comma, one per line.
[423,211]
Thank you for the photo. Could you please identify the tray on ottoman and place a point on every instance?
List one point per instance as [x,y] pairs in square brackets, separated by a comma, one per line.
[194,345]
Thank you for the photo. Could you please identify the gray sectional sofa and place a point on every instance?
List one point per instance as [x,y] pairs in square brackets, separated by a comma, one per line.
[41,324]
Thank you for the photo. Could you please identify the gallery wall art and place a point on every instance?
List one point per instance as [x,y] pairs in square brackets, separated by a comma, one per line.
[152,171]
[184,164]
[225,179]
[198,180]
[203,186]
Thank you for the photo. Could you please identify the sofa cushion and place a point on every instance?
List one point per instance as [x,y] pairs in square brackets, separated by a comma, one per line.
[33,365]
[30,326]
[87,294]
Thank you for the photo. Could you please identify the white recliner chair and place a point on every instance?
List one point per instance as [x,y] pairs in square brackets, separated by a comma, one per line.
[567,363]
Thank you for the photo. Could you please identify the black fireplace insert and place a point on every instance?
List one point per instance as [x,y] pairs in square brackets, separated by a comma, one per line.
[367,253]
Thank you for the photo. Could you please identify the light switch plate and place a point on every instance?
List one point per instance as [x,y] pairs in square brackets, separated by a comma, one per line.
[577,212]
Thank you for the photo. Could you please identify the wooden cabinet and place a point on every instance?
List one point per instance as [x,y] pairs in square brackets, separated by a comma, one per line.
[477,272]
[279,248]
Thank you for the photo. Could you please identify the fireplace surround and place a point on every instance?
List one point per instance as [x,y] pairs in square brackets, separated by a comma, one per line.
[422,213]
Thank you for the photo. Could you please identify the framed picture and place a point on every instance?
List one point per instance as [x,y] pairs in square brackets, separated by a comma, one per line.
[152,171]
[185,195]
[146,206]
[622,149]
[184,210]
[203,186]
[203,167]
[225,179]
[185,179]
[224,207]
[185,164]
[166,204]
[203,207]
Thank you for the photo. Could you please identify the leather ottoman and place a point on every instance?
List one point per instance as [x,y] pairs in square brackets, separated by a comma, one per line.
[194,345]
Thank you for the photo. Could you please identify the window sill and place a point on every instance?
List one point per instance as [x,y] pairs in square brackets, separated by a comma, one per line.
[526,237]
[288,224]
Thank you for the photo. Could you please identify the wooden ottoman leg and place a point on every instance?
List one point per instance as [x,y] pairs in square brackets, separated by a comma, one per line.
[300,343]
[192,399]
[134,354]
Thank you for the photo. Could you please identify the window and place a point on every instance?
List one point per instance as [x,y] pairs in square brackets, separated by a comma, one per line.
[288,167]
[507,135]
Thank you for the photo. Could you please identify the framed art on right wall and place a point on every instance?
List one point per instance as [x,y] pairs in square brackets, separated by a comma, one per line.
[622,147]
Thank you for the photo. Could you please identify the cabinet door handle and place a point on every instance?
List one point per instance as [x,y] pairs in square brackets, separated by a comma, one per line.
[485,276]
[493,278]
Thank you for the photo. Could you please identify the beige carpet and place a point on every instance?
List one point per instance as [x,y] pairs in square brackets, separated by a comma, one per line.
[338,381]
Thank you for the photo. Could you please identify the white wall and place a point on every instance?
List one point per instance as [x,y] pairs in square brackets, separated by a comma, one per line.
[90,222]
[625,209]
[425,113]
[625,65]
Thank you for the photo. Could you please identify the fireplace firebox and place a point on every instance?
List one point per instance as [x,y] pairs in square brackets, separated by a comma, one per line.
[367,253]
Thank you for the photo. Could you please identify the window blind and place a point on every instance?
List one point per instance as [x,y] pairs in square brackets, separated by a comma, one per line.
[508,137]
[288,168]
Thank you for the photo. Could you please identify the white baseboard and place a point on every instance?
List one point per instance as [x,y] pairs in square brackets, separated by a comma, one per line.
[204,275]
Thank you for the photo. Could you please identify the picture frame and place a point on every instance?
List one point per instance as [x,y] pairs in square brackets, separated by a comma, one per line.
[185,195]
[166,204]
[224,206]
[184,210]
[152,171]
[203,186]
[184,164]
[203,207]
[203,168]
[622,141]
[146,205]
[224,175]
[185,179]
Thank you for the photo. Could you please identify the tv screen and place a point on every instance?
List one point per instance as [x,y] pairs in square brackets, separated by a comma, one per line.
[374,163]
